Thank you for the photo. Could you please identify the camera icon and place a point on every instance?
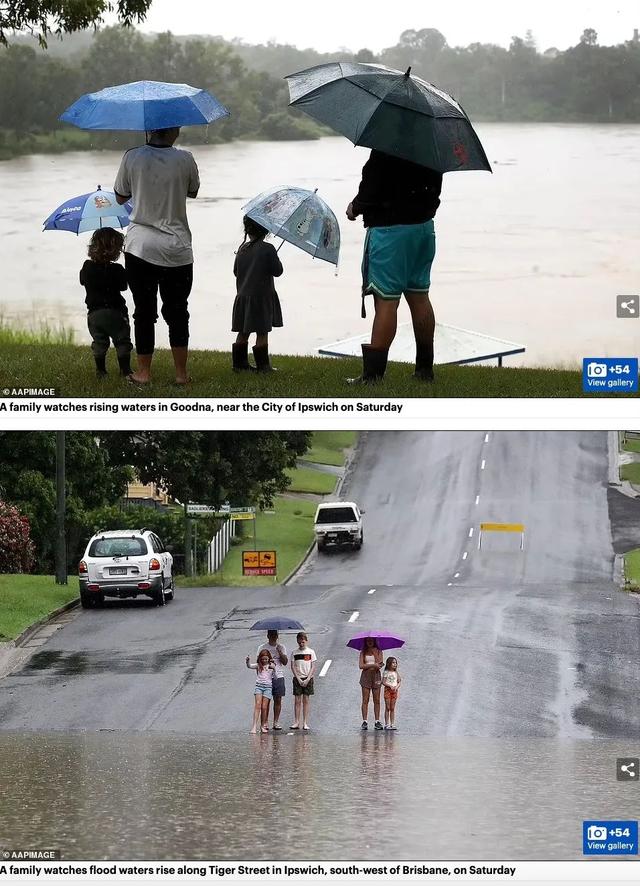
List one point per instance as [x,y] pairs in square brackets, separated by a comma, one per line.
[596,370]
[596,832]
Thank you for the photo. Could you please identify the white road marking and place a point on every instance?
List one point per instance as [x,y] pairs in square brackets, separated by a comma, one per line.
[457,575]
[477,499]
[482,465]
[471,532]
[372,591]
[354,615]
[325,668]
[486,438]
[465,555]
[449,584]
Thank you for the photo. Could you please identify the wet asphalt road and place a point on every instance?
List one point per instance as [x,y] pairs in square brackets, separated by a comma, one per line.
[500,643]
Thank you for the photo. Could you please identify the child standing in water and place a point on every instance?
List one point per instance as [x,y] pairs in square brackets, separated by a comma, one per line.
[391,681]
[257,306]
[108,318]
[262,695]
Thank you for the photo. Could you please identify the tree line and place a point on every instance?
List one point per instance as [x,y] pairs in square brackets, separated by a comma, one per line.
[209,467]
[587,82]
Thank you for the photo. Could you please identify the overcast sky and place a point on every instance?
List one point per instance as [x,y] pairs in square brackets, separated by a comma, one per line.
[328,25]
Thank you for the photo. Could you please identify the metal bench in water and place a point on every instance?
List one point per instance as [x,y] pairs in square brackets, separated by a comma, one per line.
[452,345]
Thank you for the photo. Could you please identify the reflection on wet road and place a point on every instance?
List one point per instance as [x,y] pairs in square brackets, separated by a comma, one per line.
[377,795]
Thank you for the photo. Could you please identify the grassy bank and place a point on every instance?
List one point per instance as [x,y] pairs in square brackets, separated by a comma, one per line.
[289,529]
[327,447]
[25,599]
[69,369]
[632,570]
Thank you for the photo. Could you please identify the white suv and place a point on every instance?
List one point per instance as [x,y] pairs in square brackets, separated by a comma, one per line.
[125,563]
[338,524]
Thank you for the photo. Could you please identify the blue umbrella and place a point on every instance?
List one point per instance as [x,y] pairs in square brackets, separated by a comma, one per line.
[300,217]
[277,623]
[88,212]
[144,106]
[398,114]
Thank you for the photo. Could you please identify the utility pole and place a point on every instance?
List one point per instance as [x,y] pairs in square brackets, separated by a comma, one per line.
[188,553]
[61,537]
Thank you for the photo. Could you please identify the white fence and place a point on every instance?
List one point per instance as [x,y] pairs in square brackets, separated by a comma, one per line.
[219,545]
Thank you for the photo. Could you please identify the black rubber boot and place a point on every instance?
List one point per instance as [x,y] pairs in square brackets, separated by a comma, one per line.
[101,366]
[424,362]
[124,362]
[261,356]
[240,357]
[374,366]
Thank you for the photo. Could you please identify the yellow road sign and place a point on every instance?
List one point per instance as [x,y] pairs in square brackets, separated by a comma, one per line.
[502,527]
[242,516]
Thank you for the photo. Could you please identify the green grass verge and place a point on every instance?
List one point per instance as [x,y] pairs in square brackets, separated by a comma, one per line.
[631,446]
[631,472]
[327,447]
[25,599]
[69,369]
[308,480]
[632,570]
[289,531]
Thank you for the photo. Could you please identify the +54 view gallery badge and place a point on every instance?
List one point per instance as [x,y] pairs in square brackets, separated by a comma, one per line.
[605,375]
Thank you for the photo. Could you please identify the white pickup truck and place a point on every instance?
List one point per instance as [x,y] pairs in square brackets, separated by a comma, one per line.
[338,524]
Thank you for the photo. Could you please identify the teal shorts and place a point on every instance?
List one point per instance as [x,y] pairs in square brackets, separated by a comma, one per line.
[398,259]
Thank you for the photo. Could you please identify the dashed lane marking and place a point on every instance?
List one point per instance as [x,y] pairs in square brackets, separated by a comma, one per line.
[354,615]
[372,591]
[325,668]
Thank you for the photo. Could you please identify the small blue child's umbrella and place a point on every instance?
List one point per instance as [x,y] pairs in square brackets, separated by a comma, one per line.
[89,212]
[300,217]
[144,106]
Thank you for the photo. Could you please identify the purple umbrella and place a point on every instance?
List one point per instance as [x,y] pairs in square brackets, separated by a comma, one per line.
[384,639]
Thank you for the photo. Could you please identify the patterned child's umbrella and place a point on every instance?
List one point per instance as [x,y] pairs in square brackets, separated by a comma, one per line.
[89,212]
[300,217]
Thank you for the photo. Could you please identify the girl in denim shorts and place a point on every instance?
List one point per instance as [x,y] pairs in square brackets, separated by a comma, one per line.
[264,668]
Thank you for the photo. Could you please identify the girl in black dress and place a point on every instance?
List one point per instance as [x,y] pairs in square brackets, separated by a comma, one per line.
[256,308]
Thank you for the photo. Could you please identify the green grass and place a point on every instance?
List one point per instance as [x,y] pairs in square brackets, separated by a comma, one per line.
[632,446]
[327,447]
[308,480]
[632,570]
[69,369]
[41,334]
[630,472]
[289,531]
[25,599]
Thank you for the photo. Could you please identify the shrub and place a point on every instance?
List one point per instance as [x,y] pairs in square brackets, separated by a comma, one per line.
[16,547]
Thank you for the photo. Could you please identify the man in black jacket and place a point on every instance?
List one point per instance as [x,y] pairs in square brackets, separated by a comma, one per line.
[397,200]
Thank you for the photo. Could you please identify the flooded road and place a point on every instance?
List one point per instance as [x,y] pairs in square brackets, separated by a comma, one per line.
[535,253]
[104,796]
[126,734]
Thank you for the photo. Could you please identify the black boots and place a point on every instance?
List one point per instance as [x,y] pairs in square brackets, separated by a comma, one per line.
[124,362]
[374,365]
[240,356]
[261,356]
[101,366]
[424,362]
